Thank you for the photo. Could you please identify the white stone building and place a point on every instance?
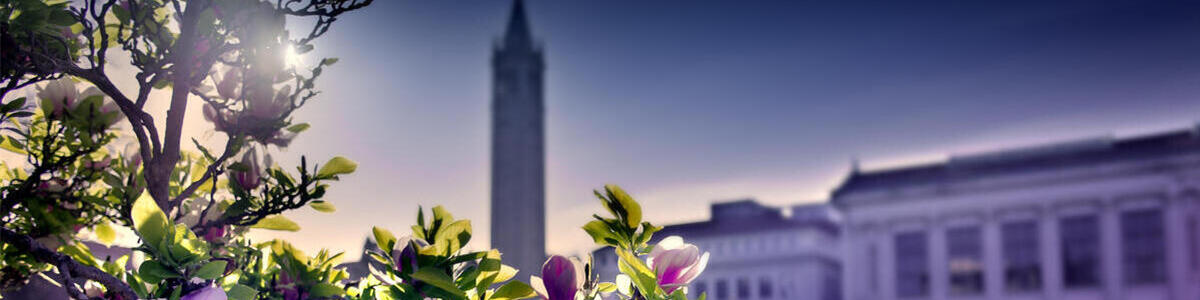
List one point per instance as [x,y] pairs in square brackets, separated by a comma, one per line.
[1096,219]
[758,252]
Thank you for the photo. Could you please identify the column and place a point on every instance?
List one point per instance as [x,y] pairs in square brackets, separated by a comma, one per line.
[887,264]
[1052,277]
[854,272]
[938,277]
[1177,258]
[993,263]
[1110,251]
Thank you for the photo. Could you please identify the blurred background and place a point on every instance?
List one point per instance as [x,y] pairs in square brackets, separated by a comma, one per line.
[889,109]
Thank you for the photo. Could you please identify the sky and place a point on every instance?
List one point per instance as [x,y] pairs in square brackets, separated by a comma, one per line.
[685,103]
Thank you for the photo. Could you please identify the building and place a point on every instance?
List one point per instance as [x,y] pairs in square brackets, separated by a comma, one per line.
[759,252]
[1094,219]
[518,147]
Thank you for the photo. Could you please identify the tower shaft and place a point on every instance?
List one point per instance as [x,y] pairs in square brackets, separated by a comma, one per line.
[518,148]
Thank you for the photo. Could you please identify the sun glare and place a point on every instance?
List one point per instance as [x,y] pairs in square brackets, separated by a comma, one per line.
[292,58]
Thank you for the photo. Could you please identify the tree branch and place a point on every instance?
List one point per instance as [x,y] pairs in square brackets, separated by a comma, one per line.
[66,264]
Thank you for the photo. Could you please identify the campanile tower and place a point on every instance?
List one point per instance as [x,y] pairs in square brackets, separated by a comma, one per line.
[518,147]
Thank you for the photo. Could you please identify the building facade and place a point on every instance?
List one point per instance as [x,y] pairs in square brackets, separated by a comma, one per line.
[1096,219]
[758,252]
[518,189]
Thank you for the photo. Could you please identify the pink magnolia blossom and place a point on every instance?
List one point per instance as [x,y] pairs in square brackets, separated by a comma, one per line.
[406,257]
[676,263]
[269,105]
[215,234]
[562,279]
[230,83]
[222,119]
[57,96]
[251,177]
[206,293]
[288,286]
[54,185]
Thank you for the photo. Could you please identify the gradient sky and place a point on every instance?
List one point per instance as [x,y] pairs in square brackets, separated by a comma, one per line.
[688,102]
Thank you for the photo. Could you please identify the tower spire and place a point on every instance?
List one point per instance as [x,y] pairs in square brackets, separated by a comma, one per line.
[517,33]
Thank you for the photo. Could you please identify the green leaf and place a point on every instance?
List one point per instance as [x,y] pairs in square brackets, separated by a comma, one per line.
[384,238]
[211,270]
[322,206]
[12,145]
[513,290]
[329,61]
[489,267]
[277,222]
[336,166]
[149,221]
[439,280]
[633,211]
[453,237]
[606,287]
[325,290]
[242,292]
[12,105]
[599,232]
[105,233]
[297,128]
[641,275]
[80,253]
[154,272]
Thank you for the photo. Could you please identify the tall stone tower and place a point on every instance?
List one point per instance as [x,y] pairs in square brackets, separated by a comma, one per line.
[518,147]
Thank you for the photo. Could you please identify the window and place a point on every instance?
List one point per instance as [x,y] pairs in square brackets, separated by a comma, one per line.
[832,289]
[965,260]
[1080,251]
[1144,247]
[743,288]
[722,289]
[699,289]
[765,290]
[912,264]
[1022,265]
[1194,242]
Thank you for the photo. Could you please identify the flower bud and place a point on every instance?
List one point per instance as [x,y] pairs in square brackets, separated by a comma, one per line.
[206,293]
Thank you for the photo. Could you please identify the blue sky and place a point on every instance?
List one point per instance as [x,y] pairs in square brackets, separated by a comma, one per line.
[689,102]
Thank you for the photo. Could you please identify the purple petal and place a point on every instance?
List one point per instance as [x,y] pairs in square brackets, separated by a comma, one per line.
[558,276]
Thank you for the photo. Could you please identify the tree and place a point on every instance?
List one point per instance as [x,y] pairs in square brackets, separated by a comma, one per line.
[226,53]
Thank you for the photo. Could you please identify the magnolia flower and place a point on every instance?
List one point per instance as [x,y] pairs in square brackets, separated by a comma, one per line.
[222,119]
[281,138]
[267,104]
[215,233]
[676,263]
[206,293]
[58,95]
[133,156]
[111,111]
[93,289]
[229,84]
[562,279]
[54,185]
[251,177]
[406,258]
[287,286]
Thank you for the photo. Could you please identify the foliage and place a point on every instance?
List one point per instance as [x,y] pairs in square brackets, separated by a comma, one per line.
[190,210]
[81,174]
